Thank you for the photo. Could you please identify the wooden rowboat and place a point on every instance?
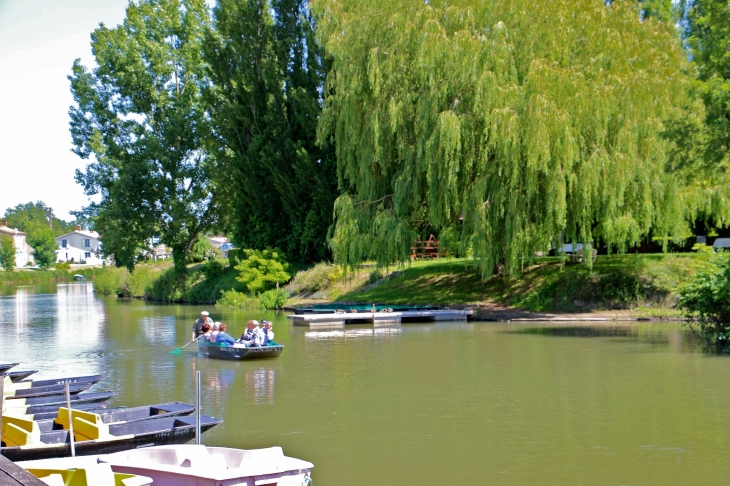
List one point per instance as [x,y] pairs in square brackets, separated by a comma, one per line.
[117,415]
[19,375]
[6,366]
[59,400]
[60,381]
[238,351]
[42,412]
[22,439]
[45,391]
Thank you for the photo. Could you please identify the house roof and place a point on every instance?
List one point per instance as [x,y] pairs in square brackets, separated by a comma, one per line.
[10,231]
[89,234]
[722,243]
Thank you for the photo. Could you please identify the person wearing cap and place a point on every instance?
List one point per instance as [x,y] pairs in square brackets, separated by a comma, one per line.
[267,332]
[198,326]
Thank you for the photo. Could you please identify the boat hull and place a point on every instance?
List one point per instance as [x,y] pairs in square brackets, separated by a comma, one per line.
[235,353]
[19,375]
[182,432]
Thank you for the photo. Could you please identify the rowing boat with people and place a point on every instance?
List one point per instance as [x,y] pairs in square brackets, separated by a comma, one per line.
[238,351]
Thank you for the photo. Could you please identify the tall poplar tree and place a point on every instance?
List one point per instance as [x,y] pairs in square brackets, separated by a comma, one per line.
[141,120]
[268,76]
[509,125]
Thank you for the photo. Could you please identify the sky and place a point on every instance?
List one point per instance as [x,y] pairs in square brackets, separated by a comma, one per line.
[39,40]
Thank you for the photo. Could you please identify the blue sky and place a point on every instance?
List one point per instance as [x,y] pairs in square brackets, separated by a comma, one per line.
[39,40]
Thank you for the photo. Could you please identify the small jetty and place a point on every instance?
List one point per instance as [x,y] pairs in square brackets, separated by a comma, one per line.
[383,316]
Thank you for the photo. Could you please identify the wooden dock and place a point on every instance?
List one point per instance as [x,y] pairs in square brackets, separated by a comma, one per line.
[398,317]
[12,475]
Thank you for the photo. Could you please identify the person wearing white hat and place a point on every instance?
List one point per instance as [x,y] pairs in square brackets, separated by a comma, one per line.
[198,326]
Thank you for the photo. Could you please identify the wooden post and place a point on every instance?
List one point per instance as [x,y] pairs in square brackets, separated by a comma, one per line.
[197,407]
[2,401]
[70,422]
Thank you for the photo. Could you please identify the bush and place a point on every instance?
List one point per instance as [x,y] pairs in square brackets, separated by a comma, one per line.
[232,298]
[374,276]
[202,250]
[273,299]
[112,281]
[212,269]
[262,270]
[619,287]
[316,278]
[63,266]
[705,299]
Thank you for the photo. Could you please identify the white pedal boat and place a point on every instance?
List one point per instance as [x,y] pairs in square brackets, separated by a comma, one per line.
[198,465]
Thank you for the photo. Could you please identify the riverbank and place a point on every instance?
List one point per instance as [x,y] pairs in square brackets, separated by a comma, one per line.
[616,287]
[31,276]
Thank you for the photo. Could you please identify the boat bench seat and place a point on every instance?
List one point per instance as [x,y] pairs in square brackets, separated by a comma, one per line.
[98,475]
[20,431]
[85,430]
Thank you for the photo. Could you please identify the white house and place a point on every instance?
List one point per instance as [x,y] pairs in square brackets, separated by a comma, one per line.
[79,246]
[23,251]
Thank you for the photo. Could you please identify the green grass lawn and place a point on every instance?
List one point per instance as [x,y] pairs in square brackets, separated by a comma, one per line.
[613,282]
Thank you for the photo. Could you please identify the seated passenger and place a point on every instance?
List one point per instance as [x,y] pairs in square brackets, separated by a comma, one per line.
[267,332]
[223,336]
[252,336]
[214,332]
[206,332]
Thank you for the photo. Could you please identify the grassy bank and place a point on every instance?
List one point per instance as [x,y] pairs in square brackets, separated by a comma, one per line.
[25,277]
[647,282]
[202,284]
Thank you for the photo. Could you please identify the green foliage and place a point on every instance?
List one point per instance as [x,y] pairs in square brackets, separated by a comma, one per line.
[233,256]
[316,278]
[7,253]
[273,299]
[212,269]
[62,266]
[268,74]
[26,277]
[484,111]
[112,281]
[262,270]
[202,251]
[31,217]
[140,117]
[705,299]
[44,243]
[233,298]
[704,137]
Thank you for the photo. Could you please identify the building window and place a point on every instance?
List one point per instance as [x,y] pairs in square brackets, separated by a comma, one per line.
[64,243]
[87,243]
[87,254]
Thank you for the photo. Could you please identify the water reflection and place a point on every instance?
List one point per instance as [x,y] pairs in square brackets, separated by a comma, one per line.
[375,332]
[260,385]
[158,330]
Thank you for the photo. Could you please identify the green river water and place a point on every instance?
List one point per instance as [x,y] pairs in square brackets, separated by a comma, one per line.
[417,404]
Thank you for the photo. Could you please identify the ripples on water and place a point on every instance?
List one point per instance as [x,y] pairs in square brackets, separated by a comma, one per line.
[446,403]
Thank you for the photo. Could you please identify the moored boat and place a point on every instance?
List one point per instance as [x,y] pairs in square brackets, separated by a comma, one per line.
[184,465]
[22,439]
[58,400]
[238,351]
[115,415]
[19,375]
[44,391]
[6,366]
[60,381]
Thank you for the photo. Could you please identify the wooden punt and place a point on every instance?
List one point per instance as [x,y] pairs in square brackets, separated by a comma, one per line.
[45,391]
[60,400]
[6,366]
[117,415]
[19,375]
[60,381]
[22,439]
[41,412]
[238,351]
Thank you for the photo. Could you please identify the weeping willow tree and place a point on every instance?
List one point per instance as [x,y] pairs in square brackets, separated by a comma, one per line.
[508,125]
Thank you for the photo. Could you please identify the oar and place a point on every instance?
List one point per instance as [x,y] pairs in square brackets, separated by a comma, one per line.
[177,351]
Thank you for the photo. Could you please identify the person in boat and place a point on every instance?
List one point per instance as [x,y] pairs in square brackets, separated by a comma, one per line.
[252,336]
[214,331]
[223,336]
[198,326]
[206,332]
[267,332]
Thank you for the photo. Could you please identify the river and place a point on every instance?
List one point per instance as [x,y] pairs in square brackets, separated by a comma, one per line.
[422,404]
